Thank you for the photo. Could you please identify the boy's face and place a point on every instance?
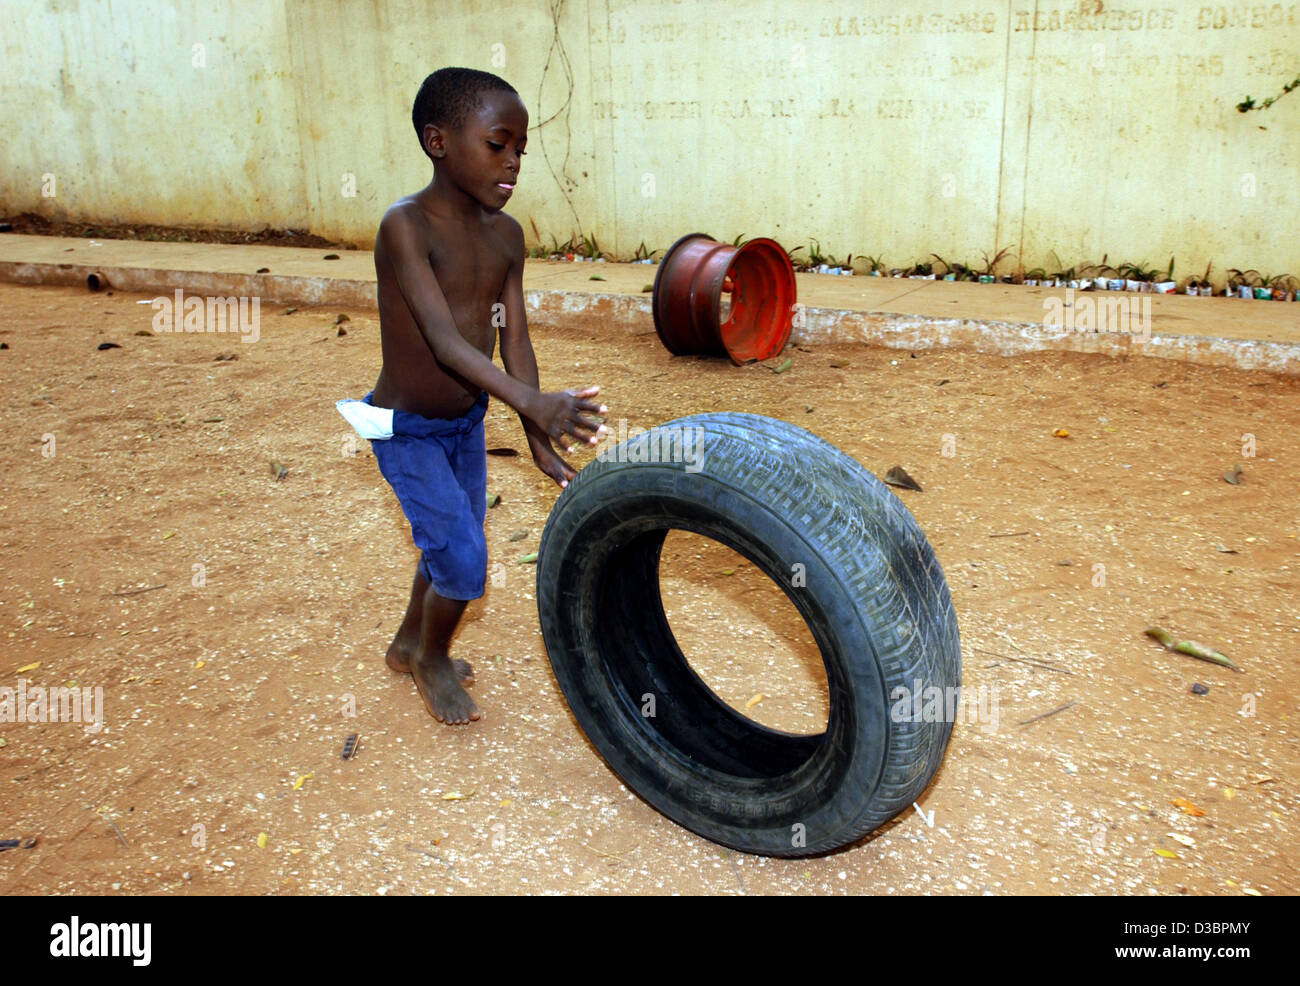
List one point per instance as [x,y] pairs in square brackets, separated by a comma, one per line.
[482,156]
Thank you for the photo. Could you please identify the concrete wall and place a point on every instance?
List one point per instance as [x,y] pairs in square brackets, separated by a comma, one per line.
[876,127]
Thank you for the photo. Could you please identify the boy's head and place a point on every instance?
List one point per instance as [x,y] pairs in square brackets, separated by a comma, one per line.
[474,126]
[450,95]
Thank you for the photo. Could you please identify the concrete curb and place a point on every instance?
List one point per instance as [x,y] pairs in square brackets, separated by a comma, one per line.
[632,313]
[1014,338]
[278,289]
[919,333]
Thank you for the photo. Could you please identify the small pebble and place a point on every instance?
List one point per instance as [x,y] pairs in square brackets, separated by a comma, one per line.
[1199,689]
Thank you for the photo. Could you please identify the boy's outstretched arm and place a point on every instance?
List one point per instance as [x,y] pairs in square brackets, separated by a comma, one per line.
[555,414]
[521,363]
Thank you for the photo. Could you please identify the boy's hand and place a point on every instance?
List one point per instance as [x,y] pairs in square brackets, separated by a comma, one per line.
[565,423]
[559,414]
[547,461]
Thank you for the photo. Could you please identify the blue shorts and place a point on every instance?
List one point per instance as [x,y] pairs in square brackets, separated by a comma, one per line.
[438,469]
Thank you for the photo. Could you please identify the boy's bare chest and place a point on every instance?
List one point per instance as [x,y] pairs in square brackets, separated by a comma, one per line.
[471,274]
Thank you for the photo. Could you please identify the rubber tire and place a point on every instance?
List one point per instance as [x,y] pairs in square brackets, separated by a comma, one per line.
[873,595]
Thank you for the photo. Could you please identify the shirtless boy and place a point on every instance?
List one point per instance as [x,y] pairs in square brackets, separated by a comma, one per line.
[450,266]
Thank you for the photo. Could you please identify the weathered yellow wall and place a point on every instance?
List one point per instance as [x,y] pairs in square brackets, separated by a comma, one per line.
[895,128]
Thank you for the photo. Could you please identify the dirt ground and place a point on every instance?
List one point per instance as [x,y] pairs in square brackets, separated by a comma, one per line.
[237,623]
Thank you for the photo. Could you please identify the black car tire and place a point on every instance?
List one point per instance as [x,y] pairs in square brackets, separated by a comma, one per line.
[869,587]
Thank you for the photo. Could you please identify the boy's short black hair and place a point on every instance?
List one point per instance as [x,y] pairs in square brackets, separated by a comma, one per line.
[448,95]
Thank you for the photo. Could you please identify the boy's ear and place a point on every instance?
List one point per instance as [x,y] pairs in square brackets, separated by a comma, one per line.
[434,141]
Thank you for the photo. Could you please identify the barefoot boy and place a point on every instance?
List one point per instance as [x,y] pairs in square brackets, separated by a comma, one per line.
[450,266]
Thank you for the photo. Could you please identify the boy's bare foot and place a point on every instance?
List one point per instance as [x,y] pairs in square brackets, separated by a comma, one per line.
[436,681]
[399,659]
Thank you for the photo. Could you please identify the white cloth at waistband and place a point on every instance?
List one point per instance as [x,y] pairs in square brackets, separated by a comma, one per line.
[367,420]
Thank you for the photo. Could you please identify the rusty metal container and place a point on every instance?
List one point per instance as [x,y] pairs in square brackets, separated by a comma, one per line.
[715,299]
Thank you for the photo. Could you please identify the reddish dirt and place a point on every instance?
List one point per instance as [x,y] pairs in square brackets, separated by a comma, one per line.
[226,696]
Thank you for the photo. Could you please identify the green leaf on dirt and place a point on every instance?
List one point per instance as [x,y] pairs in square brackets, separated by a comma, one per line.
[1233,477]
[647,289]
[1160,635]
[528,559]
[290,311]
[1191,648]
[518,535]
[785,365]
[493,499]
[595,277]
